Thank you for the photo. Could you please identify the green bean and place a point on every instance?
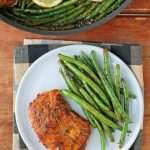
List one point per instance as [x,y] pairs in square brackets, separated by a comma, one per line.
[88,115]
[126,107]
[75,16]
[100,11]
[96,11]
[90,9]
[88,98]
[23,4]
[105,7]
[48,15]
[102,135]
[115,5]
[117,77]
[64,77]
[69,81]
[21,15]
[80,65]
[115,102]
[109,133]
[101,132]
[106,4]
[30,4]
[126,95]
[86,57]
[75,79]
[86,60]
[107,66]
[35,7]
[91,83]
[130,94]
[19,3]
[124,133]
[91,109]
[11,15]
[51,27]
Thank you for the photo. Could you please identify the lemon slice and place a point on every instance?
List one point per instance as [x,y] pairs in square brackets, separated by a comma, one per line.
[47,3]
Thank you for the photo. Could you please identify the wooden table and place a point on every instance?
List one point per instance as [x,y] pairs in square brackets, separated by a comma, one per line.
[132,26]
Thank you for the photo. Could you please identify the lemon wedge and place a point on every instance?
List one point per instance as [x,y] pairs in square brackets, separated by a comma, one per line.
[47,3]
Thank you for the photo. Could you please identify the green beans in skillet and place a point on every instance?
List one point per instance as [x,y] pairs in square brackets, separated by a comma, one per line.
[115,5]
[62,17]
[41,11]
[96,11]
[56,18]
[76,15]
[104,9]
[43,16]
[124,133]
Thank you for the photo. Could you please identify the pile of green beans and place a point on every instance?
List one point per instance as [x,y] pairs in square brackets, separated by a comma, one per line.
[67,15]
[102,93]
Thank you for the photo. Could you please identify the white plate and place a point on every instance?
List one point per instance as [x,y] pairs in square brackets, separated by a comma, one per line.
[44,75]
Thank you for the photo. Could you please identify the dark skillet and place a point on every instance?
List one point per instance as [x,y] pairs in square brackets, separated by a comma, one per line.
[78,28]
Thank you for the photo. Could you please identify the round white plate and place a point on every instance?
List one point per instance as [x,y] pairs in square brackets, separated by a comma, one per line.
[44,75]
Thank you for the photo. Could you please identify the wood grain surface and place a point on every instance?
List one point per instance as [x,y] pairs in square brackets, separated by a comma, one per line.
[139,6]
[122,29]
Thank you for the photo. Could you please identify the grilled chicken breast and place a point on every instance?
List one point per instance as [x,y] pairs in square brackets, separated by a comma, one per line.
[57,126]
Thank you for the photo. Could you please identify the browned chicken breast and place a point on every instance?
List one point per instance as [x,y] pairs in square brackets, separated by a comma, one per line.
[57,126]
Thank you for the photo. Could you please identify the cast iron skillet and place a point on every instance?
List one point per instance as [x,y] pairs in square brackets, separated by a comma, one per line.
[70,31]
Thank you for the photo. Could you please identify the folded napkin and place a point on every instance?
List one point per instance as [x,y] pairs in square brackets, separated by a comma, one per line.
[24,56]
